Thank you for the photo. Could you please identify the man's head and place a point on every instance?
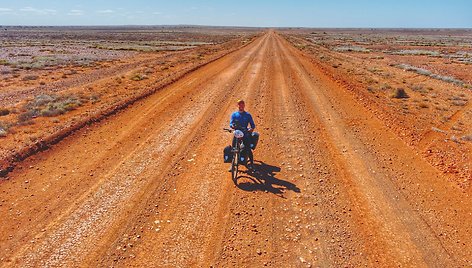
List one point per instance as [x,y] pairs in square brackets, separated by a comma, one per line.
[241,105]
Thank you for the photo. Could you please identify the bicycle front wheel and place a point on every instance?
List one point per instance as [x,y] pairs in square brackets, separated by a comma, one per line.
[235,164]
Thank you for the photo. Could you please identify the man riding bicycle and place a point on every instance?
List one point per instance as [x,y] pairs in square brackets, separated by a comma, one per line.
[240,120]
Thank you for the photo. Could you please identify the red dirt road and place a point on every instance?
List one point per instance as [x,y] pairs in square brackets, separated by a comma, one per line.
[147,187]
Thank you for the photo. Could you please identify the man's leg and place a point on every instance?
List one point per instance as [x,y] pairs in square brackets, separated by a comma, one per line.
[233,144]
[249,154]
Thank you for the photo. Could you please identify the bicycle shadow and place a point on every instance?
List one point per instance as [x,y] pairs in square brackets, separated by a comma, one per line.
[263,179]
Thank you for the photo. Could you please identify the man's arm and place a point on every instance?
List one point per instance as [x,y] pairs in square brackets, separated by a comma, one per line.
[251,122]
[231,120]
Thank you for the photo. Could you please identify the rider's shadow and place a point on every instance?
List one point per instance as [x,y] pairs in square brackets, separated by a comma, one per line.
[263,179]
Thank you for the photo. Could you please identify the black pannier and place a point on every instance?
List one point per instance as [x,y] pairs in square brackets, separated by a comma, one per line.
[255,140]
[227,154]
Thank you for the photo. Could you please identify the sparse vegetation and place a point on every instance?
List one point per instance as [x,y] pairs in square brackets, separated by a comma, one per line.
[467,137]
[30,78]
[4,111]
[448,79]
[351,49]
[385,87]
[4,62]
[400,93]
[49,105]
[139,77]
[4,128]
[459,100]
[416,52]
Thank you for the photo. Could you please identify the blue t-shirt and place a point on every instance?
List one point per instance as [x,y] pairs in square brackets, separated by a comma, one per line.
[243,119]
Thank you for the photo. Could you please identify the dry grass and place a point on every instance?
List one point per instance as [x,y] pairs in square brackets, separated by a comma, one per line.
[139,77]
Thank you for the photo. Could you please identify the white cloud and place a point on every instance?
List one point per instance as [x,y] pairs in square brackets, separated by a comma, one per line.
[44,11]
[106,11]
[75,12]
[2,9]
[157,13]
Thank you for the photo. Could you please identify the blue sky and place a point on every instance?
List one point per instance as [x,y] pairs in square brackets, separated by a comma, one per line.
[303,13]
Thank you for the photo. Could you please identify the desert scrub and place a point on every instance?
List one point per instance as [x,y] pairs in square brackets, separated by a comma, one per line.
[467,137]
[385,87]
[416,52]
[95,98]
[138,77]
[4,62]
[30,78]
[447,79]
[400,93]
[351,49]
[460,100]
[4,111]
[4,129]
[48,105]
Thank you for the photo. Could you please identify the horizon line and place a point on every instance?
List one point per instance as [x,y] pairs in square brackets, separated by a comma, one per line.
[237,26]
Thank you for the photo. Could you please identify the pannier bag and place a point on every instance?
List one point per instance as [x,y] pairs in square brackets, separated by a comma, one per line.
[255,140]
[227,154]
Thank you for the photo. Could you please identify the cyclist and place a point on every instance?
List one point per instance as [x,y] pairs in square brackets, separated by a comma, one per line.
[243,121]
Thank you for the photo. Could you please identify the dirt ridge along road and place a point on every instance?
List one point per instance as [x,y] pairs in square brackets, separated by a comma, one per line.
[333,186]
[157,124]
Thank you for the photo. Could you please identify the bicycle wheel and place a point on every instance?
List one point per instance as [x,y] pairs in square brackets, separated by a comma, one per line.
[235,166]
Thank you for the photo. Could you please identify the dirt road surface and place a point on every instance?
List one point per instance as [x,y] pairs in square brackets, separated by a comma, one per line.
[333,186]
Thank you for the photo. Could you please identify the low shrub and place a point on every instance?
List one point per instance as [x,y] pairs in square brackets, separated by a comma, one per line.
[30,78]
[3,129]
[385,87]
[459,103]
[4,111]
[138,77]
[48,105]
[351,49]
[400,93]
[447,79]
